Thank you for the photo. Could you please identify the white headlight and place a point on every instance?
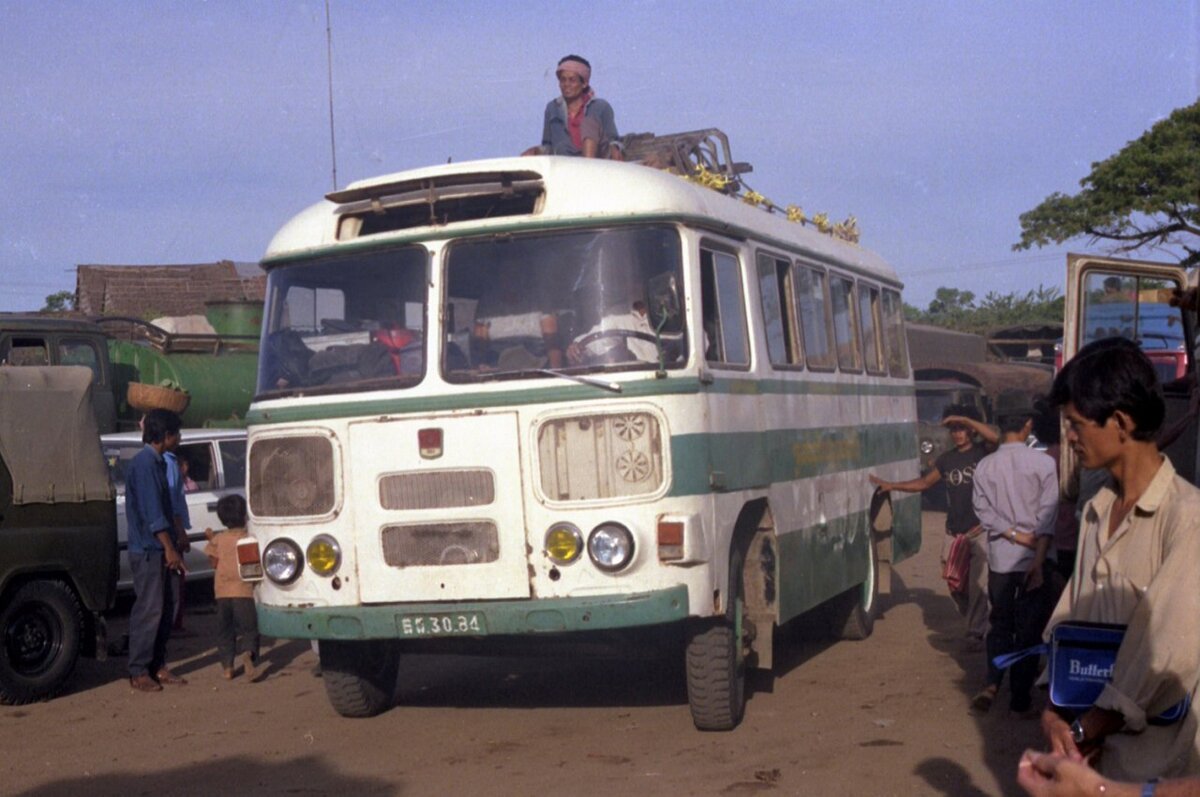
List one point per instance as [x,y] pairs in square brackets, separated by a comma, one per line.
[610,546]
[282,561]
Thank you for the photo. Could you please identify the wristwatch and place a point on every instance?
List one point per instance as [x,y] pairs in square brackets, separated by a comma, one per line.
[1077,733]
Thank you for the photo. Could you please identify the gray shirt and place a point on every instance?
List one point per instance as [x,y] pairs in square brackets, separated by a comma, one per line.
[1015,488]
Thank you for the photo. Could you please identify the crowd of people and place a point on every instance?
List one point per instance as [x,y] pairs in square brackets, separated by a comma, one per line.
[1129,548]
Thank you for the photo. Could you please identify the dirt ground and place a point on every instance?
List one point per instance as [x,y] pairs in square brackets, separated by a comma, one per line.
[886,716]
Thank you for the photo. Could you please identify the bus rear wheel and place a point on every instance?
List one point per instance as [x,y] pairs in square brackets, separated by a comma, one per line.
[852,614]
[716,662]
[360,677]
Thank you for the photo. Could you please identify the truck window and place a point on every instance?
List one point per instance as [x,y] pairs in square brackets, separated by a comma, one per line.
[1137,308]
[78,351]
[25,351]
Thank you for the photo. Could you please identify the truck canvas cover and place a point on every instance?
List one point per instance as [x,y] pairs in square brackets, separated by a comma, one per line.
[48,435]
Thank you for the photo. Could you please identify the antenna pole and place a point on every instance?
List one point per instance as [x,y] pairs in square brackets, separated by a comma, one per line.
[329,61]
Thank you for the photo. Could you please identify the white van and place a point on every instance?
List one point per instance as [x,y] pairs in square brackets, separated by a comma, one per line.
[217,464]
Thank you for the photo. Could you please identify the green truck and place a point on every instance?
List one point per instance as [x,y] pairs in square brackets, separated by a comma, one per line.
[58,530]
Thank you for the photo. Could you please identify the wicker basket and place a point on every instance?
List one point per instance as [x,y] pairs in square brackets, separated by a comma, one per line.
[145,397]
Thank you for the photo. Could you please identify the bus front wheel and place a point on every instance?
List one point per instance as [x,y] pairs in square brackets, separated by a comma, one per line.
[716,662]
[360,677]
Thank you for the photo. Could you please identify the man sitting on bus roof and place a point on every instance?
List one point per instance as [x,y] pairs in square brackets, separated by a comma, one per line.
[578,122]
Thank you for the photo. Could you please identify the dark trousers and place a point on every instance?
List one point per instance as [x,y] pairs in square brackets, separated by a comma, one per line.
[236,617]
[1016,619]
[151,615]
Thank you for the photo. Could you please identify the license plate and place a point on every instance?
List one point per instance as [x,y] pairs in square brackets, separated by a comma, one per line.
[449,624]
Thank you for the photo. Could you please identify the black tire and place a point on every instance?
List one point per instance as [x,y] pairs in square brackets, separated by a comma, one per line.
[852,614]
[360,677]
[41,632]
[716,662]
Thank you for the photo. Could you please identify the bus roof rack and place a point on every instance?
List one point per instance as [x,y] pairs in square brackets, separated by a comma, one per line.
[688,154]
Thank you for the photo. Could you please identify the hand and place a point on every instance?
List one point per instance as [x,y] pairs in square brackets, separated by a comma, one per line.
[1049,775]
[208,534]
[1058,735]
[878,482]
[531,151]
[172,559]
[1034,578]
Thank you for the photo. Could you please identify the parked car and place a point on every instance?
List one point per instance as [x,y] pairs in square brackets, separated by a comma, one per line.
[216,463]
[58,530]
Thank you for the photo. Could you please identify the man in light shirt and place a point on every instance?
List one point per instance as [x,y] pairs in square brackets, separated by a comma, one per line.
[1015,498]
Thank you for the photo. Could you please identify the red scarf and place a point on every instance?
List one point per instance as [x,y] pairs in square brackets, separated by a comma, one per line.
[575,121]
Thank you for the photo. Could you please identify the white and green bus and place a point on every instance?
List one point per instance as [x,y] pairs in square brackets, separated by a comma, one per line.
[553,396]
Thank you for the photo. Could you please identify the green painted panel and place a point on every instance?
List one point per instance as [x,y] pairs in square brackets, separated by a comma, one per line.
[906,526]
[815,563]
[499,617]
[748,460]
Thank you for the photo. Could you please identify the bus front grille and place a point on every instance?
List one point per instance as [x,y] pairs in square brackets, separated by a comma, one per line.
[437,489]
[441,544]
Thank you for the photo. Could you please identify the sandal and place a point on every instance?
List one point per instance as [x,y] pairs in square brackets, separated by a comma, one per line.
[982,702]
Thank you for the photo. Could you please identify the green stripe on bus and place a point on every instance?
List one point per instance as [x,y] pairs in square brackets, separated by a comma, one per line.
[639,389]
[816,562]
[701,463]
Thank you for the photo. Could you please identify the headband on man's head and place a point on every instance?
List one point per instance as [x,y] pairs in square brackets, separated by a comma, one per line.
[575,66]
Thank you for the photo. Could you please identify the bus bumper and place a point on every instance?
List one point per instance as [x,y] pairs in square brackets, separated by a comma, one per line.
[482,618]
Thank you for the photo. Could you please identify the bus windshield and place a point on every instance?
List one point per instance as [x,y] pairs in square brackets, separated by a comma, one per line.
[577,301]
[345,323]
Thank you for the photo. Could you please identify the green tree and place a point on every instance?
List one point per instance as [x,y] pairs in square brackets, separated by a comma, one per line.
[958,310]
[59,302]
[1145,196]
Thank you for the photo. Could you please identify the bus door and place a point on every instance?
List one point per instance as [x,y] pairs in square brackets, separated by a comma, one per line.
[439,508]
[1112,297]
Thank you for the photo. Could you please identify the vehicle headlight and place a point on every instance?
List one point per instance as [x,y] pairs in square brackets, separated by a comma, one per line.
[610,545]
[324,555]
[926,446]
[282,560]
[563,543]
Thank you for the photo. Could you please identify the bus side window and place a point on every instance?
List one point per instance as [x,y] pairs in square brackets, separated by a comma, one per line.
[869,314]
[723,309]
[815,321]
[893,326]
[845,323]
[779,313]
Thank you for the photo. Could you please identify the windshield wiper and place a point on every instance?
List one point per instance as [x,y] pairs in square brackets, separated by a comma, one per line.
[604,384]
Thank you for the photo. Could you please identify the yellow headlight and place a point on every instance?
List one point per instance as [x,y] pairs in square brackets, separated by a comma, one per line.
[324,555]
[564,543]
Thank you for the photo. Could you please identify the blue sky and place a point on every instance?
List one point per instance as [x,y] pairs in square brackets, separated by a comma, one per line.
[149,133]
